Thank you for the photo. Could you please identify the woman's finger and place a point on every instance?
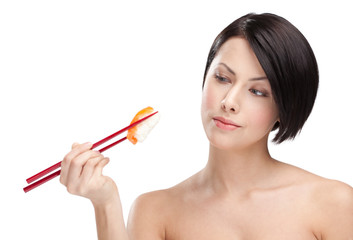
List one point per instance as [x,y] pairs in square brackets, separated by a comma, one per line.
[65,164]
[75,144]
[76,165]
[99,168]
[88,168]
[77,150]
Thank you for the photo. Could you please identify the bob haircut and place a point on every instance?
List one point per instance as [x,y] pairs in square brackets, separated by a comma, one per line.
[288,62]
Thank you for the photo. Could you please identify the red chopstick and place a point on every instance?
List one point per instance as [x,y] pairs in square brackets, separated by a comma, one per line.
[57,165]
[57,173]
[41,181]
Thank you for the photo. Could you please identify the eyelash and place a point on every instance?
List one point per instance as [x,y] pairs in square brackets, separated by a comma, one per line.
[258,93]
[221,79]
[255,92]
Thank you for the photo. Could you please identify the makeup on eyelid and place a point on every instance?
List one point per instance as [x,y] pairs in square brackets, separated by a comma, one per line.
[228,69]
[254,90]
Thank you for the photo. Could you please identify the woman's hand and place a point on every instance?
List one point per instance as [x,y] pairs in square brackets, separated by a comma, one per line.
[81,173]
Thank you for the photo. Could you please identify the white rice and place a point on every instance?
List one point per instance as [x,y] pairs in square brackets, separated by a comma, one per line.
[145,127]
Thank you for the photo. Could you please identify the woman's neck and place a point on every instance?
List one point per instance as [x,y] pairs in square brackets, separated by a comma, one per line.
[239,171]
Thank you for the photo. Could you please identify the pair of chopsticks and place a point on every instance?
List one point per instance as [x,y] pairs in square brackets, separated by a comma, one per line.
[32,179]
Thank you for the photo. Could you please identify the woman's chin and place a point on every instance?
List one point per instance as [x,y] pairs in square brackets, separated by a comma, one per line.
[224,143]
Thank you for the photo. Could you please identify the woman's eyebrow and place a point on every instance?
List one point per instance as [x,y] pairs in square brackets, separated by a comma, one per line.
[258,78]
[228,68]
[232,72]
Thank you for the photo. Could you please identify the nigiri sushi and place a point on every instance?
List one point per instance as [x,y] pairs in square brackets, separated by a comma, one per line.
[140,131]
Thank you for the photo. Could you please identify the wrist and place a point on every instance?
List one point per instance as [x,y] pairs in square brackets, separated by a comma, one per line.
[109,219]
[107,196]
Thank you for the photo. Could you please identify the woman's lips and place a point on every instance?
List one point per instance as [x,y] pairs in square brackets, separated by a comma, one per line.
[225,124]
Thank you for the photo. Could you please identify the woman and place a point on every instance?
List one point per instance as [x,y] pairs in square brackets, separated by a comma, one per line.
[261,75]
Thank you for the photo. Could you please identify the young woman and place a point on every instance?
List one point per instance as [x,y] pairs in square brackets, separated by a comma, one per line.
[261,75]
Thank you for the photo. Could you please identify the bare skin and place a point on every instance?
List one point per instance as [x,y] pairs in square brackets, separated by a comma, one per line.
[298,208]
[242,193]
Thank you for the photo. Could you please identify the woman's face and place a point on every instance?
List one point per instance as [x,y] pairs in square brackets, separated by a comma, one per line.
[238,109]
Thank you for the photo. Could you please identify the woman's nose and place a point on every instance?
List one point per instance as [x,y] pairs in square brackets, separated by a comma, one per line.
[231,101]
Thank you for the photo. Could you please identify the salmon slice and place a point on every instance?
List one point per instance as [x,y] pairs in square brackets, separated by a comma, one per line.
[132,131]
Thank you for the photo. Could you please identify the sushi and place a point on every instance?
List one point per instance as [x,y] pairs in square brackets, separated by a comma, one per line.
[140,131]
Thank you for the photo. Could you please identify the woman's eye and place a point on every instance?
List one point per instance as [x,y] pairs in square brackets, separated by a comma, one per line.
[221,79]
[257,92]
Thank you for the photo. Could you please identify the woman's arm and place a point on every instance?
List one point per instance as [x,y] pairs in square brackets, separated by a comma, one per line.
[109,220]
[81,173]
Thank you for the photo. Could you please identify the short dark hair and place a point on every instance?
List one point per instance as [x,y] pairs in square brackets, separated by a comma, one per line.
[288,62]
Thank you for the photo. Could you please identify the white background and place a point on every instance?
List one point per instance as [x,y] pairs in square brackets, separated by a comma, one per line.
[80,70]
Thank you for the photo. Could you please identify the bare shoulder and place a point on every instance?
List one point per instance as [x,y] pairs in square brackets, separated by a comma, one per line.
[334,196]
[331,208]
[323,191]
[161,200]
[329,203]
[151,212]
[147,215]
[333,191]
[151,200]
